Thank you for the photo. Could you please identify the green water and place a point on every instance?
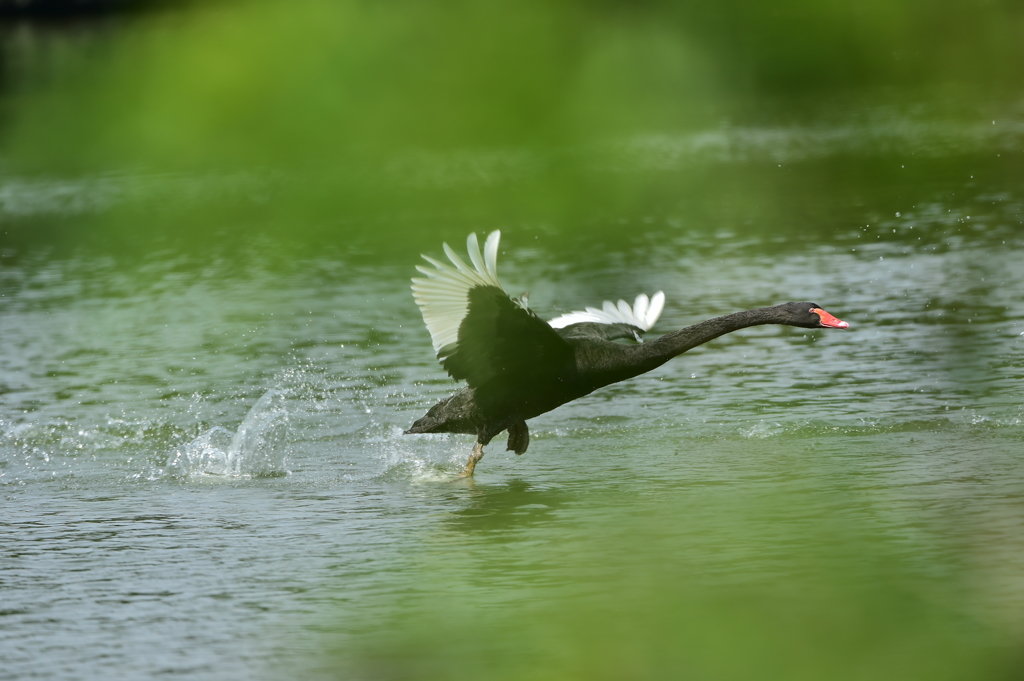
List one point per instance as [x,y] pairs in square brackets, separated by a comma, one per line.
[209,217]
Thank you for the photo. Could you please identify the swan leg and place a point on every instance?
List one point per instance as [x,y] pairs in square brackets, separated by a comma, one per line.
[478,453]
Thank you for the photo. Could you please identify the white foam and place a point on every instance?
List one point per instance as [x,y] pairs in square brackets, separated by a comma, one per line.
[256,449]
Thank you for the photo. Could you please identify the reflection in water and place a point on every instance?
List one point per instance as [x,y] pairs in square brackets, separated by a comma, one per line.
[515,504]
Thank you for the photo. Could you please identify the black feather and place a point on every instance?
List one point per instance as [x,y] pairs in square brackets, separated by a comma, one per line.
[501,341]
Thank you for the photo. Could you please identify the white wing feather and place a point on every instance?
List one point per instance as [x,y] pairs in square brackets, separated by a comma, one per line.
[443,296]
[643,314]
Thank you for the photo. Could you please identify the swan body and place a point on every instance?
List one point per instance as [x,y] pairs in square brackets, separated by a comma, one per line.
[518,366]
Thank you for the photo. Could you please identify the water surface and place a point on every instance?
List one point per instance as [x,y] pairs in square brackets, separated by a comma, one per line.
[203,473]
[209,349]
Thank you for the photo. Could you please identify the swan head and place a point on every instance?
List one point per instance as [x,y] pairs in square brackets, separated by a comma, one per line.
[811,316]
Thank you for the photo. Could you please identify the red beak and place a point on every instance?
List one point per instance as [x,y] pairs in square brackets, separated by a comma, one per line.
[830,321]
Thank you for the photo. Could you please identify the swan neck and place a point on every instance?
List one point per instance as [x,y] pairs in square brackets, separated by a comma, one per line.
[607,365]
[673,344]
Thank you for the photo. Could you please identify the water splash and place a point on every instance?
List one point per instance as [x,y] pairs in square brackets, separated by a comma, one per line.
[423,459]
[763,430]
[257,449]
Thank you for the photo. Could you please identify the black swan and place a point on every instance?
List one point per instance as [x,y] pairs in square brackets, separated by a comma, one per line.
[518,366]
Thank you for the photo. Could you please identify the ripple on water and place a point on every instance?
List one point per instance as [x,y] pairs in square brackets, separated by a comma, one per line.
[125,391]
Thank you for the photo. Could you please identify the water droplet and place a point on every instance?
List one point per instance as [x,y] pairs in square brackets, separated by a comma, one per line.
[897,213]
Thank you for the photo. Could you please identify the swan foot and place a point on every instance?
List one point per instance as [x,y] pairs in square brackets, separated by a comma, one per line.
[478,453]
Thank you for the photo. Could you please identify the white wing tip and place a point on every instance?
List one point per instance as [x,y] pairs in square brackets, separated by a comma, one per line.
[643,314]
[443,297]
[653,309]
[570,318]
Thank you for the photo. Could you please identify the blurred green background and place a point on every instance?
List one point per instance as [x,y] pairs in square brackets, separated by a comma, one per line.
[363,133]
[318,122]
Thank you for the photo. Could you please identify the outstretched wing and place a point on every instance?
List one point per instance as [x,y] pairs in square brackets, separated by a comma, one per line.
[641,316]
[443,296]
[479,333]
